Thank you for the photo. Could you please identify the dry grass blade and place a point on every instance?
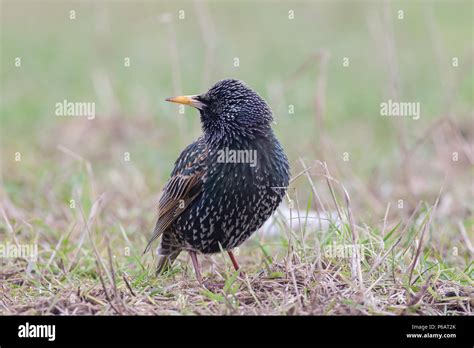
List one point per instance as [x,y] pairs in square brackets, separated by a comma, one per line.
[128,285]
[355,241]
[425,227]
[104,288]
[417,298]
[331,189]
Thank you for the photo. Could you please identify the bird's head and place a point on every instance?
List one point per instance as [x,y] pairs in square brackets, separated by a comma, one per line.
[230,109]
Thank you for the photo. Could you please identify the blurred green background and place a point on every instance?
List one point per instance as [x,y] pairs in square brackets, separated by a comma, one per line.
[67,185]
[295,62]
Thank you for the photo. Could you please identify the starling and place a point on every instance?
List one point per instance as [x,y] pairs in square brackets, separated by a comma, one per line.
[227,183]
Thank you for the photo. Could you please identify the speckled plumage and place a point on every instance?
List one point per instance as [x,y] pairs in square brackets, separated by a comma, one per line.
[210,203]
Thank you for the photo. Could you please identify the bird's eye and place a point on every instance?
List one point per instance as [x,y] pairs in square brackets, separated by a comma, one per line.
[202,99]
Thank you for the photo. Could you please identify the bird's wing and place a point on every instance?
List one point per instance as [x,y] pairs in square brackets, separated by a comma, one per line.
[183,187]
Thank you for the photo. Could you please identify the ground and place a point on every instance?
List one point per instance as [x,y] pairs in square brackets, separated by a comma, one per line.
[378,217]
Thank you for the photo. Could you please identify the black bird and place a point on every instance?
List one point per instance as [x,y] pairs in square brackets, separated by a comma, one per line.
[227,183]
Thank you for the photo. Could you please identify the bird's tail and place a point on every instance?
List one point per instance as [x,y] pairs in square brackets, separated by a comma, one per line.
[165,259]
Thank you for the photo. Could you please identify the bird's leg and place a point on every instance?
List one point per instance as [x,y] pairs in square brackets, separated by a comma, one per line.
[234,261]
[196,265]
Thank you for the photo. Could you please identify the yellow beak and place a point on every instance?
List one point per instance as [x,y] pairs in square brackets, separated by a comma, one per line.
[187,100]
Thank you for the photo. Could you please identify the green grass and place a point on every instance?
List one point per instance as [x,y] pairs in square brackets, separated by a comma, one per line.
[417,258]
